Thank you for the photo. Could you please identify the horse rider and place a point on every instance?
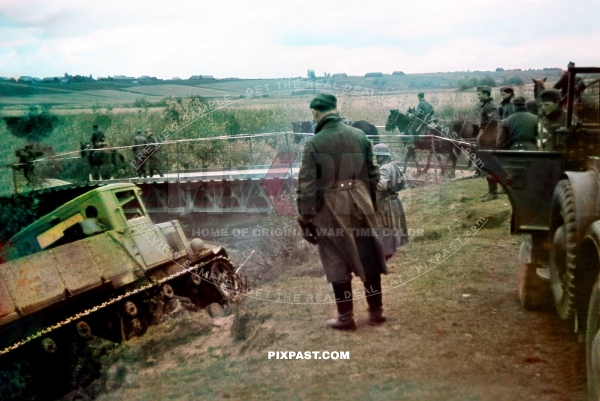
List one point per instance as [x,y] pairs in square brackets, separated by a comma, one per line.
[488,134]
[154,162]
[97,137]
[389,207]
[552,116]
[519,131]
[336,200]
[421,117]
[507,93]
[138,143]
[563,85]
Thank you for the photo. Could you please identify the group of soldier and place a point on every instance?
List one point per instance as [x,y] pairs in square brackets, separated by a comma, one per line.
[144,148]
[517,124]
[145,152]
[514,124]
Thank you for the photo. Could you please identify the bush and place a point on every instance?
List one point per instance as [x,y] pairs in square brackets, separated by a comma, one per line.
[468,83]
[514,80]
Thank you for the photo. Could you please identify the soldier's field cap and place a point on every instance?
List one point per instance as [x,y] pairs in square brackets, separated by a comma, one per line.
[95,126]
[519,101]
[323,102]
[532,106]
[421,94]
[550,95]
[507,88]
[484,89]
[138,132]
[147,130]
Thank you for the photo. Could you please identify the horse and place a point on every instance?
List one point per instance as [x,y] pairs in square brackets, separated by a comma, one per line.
[369,129]
[102,159]
[439,138]
[538,86]
[307,127]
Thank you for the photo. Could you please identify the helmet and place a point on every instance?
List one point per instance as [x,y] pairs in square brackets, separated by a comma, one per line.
[381,149]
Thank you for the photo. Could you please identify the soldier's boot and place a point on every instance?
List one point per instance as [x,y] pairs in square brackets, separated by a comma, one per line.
[492,190]
[343,297]
[375,301]
[490,197]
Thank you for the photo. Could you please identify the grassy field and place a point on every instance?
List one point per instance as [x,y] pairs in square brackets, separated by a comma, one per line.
[194,117]
[455,330]
[17,96]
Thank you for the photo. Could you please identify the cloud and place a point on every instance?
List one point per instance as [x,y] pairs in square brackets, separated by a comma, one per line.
[277,39]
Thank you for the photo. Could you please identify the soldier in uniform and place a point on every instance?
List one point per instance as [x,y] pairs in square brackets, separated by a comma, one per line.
[488,134]
[97,137]
[138,143]
[552,115]
[153,158]
[336,198]
[506,108]
[519,131]
[422,116]
[389,207]
[563,85]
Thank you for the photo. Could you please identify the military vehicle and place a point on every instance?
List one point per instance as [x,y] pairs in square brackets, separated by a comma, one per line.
[96,266]
[555,198]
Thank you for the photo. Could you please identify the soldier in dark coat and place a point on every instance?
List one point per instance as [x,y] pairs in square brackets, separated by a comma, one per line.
[520,130]
[139,154]
[97,137]
[389,207]
[152,147]
[488,133]
[335,197]
[422,116]
[506,107]
[552,115]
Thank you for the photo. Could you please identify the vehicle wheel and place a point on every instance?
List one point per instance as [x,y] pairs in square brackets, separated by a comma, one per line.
[223,278]
[592,344]
[534,293]
[563,255]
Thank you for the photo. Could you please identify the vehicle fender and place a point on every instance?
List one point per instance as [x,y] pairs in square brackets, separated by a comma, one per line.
[585,193]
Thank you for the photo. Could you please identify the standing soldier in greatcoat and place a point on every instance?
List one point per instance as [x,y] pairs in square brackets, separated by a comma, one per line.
[154,162]
[389,207]
[139,155]
[488,133]
[335,198]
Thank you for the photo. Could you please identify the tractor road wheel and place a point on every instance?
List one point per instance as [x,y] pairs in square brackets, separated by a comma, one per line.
[534,292]
[592,344]
[563,255]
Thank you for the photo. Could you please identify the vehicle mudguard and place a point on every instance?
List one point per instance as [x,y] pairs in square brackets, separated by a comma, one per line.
[585,193]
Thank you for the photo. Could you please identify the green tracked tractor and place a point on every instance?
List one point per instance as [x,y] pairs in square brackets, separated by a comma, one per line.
[96,267]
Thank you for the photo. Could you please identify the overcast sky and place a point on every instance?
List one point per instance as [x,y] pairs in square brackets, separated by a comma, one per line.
[273,39]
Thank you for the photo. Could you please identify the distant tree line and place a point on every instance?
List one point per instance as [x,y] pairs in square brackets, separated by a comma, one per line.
[468,83]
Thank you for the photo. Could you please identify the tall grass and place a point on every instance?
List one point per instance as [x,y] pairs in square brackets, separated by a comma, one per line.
[195,118]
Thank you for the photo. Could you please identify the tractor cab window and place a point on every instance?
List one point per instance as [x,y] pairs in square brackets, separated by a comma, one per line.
[54,235]
[130,204]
